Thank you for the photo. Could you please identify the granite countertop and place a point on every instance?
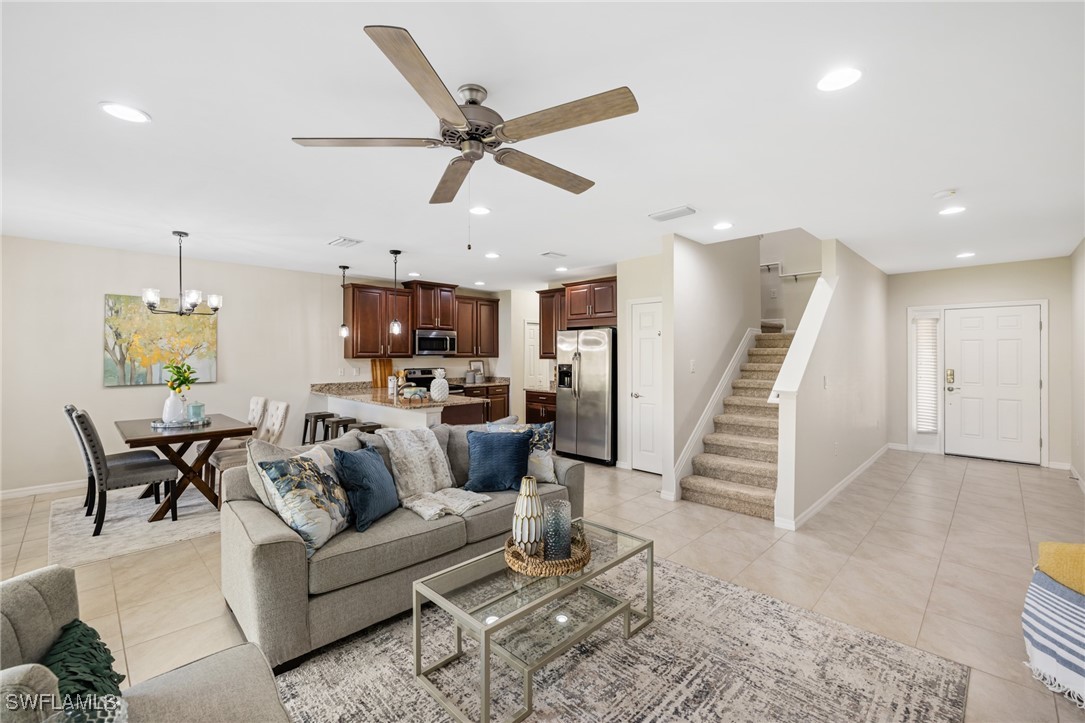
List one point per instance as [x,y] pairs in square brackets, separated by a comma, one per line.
[490,382]
[365,392]
[552,388]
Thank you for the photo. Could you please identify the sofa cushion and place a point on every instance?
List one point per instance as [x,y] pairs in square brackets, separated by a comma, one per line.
[395,541]
[495,517]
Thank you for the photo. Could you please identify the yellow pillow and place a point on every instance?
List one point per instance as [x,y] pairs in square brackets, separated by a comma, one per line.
[1064,562]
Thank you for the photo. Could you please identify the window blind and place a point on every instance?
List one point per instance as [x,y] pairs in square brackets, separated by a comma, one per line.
[926,375]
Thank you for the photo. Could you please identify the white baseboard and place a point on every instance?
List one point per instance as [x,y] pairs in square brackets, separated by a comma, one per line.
[1080,482]
[670,496]
[1059,465]
[898,446]
[46,489]
[705,425]
[828,496]
[622,464]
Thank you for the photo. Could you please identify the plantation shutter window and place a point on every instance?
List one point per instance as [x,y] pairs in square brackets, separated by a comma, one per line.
[927,383]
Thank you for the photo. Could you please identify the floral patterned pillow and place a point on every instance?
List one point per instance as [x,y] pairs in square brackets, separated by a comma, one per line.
[540,463]
[307,496]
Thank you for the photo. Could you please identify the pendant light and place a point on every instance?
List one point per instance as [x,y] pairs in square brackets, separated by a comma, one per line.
[187,299]
[395,327]
[344,330]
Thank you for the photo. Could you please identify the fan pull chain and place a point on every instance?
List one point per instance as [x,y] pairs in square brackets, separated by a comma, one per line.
[468,213]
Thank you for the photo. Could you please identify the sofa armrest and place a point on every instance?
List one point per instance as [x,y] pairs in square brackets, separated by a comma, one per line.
[231,685]
[235,485]
[34,608]
[570,473]
[265,579]
[28,693]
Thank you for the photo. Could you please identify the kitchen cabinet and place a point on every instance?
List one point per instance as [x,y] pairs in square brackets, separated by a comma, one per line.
[367,311]
[476,327]
[591,303]
[551,321]
[542,407]
[497,400]
[434,305]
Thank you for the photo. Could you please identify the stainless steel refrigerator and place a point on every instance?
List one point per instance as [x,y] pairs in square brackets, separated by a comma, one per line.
[587,395]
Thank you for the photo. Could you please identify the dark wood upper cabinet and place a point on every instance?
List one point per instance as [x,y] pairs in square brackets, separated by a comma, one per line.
[488,323]
[551,321]
[591,303]
[434,305]
[466,326]
[368,310]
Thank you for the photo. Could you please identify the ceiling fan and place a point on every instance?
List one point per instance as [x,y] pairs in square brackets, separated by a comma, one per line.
[475,130]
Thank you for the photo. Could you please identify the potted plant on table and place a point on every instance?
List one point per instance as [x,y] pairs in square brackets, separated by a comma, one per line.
[181,377]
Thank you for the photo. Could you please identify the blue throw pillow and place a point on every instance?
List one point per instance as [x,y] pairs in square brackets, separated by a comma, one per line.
[369,485]
[497,461]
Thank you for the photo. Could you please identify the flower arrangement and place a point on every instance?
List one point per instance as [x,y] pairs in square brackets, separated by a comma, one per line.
[181,376]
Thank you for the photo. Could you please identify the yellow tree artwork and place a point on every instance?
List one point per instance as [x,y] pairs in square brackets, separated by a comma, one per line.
[138,344]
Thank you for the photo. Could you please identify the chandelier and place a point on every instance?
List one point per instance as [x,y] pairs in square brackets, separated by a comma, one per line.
[188,299]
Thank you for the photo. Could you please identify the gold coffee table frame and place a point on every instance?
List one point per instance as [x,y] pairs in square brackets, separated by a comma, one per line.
[511,615]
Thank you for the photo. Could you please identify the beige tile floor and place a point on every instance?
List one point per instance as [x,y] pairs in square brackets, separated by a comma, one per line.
[932,551]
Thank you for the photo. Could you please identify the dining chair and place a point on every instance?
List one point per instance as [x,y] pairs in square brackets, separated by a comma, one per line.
[269,430]
[138,455]
[134,474]
[257,410]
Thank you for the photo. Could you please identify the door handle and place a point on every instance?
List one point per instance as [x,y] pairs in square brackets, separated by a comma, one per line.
[635,395]
[950,389]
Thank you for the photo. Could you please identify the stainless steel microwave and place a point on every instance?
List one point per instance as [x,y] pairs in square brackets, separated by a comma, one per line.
[434,342]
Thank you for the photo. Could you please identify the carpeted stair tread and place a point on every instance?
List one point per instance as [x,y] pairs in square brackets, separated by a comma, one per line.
[741,446]
[752,406]
[760,367]
[772,327]
[732,469]
[733,496]
[769,425]
[774,341]
[767,352]
[765,384]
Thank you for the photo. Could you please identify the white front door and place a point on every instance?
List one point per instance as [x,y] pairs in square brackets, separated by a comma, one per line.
[536,370]
[646,388]
[992,383]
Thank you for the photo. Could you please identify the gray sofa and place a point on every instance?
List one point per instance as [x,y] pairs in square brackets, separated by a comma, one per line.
[234,684]
[290,606]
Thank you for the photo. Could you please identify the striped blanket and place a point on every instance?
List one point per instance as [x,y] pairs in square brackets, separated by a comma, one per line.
[1054,624]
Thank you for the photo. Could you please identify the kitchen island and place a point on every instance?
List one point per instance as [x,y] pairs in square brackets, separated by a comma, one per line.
[372,404]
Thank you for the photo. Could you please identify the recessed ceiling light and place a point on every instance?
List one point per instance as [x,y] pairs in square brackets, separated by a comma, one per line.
[950,211]
[414,273]
[562,268]
[839,79]
[124,112]
[480,210]
[723,226]
[480,283]
[492,255]
[966,254]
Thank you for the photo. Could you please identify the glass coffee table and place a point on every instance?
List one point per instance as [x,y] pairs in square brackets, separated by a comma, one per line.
[526,621]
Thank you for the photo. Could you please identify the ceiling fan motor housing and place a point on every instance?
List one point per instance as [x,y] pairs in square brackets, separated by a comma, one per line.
[480,124]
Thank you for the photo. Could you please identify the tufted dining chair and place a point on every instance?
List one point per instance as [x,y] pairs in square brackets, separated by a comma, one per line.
[270,430]
[133,474]
[138,455]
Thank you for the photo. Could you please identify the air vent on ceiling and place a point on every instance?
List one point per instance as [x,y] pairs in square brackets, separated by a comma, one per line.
[552,255]
[343,242]
[672,213]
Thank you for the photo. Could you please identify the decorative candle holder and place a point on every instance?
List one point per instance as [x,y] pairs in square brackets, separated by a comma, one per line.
[557,519]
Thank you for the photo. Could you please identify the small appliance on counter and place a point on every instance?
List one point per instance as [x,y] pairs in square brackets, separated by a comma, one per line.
[587,395]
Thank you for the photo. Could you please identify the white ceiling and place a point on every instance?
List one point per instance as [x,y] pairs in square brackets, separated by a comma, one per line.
[987,98]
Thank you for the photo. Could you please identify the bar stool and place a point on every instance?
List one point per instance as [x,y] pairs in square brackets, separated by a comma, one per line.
[308,436]
[364,427]
[334,426]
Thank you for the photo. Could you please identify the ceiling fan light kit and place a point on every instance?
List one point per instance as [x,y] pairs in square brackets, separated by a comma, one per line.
[475,130]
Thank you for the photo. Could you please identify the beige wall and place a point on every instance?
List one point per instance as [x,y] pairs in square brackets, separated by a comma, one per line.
[717,298]
[796,251]
[277,335]
[1077,382]
[1024,281]
[837,372]
[637,279]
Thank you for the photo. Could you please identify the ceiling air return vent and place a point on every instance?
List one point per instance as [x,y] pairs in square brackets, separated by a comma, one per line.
[342,242]
[672,213]
[552,255]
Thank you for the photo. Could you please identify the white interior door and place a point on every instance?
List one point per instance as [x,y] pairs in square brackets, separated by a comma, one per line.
[646,382]
[536,370]
[992,383]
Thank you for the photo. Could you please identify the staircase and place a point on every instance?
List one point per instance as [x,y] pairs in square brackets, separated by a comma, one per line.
[737,471]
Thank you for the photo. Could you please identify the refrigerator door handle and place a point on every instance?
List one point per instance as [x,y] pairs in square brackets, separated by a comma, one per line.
[576,375]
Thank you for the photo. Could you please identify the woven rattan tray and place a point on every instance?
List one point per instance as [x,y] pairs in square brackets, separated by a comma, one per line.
[536,566]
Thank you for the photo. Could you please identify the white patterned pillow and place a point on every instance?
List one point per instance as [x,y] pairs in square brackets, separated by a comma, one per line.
[540,463]
[307,496]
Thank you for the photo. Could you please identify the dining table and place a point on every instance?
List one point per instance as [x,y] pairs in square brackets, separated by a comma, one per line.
[174,442]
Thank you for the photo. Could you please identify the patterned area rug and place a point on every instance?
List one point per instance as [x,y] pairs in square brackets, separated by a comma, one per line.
[715,651]
[126,529]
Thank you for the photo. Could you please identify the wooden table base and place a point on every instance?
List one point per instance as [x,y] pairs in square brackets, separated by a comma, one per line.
[190,474]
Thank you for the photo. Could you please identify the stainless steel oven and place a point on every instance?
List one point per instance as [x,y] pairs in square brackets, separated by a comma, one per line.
[434,342]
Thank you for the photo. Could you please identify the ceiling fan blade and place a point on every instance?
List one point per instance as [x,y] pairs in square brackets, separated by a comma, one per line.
[450,182]
[542,170]
[399,46]
[368,142]
[594,108]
